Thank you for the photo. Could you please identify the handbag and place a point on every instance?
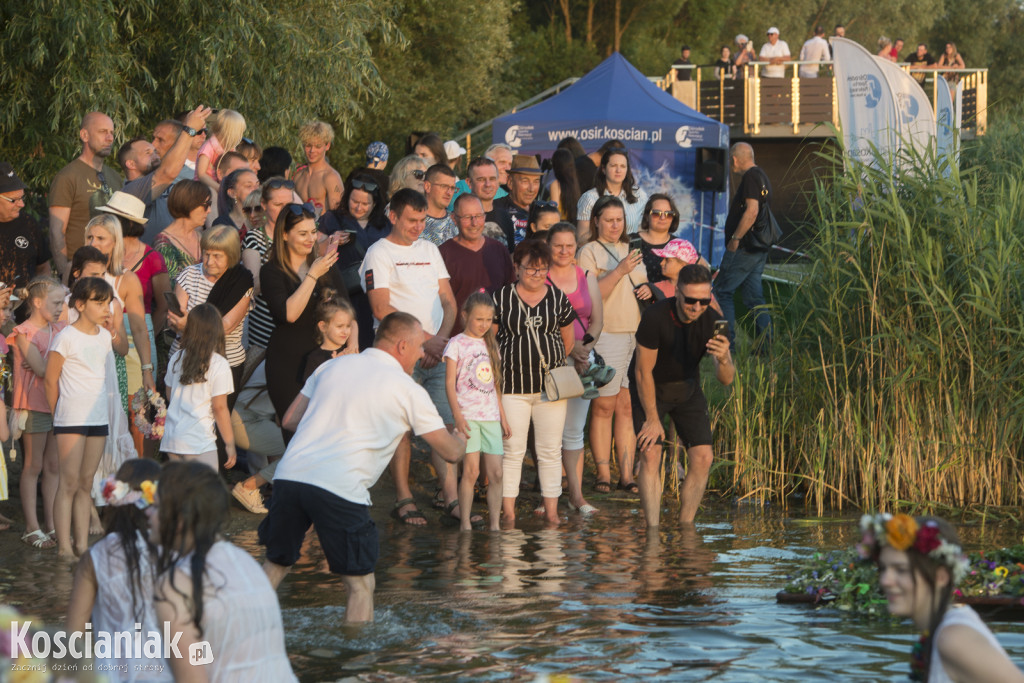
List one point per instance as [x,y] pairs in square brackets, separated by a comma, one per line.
[765,232]
[559,383]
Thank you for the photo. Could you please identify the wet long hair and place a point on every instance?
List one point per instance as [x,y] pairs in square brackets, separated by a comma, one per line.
[203,337]
[193,506]
[628,183]
[129,522]
[474,300]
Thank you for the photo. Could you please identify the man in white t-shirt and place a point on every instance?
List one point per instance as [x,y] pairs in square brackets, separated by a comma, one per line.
[776,52]
[342,443]
[814,50]
[405,273]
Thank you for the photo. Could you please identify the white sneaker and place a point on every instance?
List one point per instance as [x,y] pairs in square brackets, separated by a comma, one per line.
[250,499]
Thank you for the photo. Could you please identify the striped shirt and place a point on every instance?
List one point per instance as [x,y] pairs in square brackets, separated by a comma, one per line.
[259,321]
[520,363]
[634,211]
[198,287]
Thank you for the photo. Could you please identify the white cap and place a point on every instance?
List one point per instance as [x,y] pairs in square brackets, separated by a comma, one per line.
[740,39]
[453,150]
[773,30]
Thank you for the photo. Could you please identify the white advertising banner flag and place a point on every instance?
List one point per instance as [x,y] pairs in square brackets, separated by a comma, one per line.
[867,108]
[915,118]
[947,130]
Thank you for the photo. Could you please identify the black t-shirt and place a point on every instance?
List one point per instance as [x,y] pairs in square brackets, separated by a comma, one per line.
[754,185]
[511,219]
[681,73]
[23,248]
[927,60]
[680,346]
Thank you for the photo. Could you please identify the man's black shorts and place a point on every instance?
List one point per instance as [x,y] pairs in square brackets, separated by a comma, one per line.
[684,402]
[347,534]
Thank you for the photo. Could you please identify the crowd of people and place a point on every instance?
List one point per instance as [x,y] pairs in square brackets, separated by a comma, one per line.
[214,298]
[774,54]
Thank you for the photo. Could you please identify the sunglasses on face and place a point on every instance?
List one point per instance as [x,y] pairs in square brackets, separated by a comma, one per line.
[364,185]
[278,183]
[249,210]
[694,300]
[663,214]
[545,205]
[207,204]
[300,209]
[418,174]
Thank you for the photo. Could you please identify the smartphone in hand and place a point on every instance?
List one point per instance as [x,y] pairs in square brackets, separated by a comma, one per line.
[722,328]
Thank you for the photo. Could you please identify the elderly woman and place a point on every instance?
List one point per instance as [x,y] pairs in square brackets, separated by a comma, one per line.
[620,272]
[189,205]
[408,172]
[525,312]
[220,280]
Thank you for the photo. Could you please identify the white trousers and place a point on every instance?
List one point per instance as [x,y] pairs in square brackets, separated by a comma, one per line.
[548,419]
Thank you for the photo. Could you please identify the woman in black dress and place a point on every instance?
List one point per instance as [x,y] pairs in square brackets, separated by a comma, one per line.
[291,282]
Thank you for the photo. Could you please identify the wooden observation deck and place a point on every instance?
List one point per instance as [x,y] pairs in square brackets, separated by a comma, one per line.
[794,107]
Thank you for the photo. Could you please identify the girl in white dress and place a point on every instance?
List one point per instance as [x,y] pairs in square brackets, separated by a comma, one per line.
[210,590]
[113,586]
[920,561]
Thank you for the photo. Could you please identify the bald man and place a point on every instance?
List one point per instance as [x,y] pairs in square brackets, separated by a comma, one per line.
[80,187]
[741,268]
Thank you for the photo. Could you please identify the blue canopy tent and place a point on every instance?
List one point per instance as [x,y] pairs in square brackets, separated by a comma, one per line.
[664,136]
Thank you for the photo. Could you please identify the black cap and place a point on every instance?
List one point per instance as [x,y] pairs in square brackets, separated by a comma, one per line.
[9,180]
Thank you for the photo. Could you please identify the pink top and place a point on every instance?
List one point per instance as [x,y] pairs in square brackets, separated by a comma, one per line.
[150,265]
[581,303]
[29,391]
[474,378]
[213,149]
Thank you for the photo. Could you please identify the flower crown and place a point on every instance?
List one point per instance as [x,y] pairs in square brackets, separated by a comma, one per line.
[903,533]
[117,493]
[150,413]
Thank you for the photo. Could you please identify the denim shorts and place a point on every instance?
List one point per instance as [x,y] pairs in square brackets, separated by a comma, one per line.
[433,380]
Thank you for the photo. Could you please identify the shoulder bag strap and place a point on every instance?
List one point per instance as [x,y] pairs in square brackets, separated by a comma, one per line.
[533,330]
[617,261]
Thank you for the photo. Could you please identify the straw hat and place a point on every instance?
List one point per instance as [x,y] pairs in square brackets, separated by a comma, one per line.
[525,164]
[126,206]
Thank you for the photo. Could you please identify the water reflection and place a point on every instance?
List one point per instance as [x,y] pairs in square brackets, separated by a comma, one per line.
[602,599]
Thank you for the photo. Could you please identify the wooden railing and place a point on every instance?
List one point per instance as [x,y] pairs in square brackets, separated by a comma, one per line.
[774,107]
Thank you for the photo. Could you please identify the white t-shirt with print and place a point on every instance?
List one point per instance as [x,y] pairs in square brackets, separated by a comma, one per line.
[83,378]
[474,378]
[189,429]
[411,274]
[346,438]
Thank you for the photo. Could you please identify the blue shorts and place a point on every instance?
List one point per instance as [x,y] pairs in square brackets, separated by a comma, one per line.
[485,437]
[347,534]
[84,430]
[433,380]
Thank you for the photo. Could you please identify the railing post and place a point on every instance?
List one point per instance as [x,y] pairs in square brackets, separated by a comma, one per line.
[696,99]
[794,99]
[981,102]
[835,101]
[469,146]
[746,100]
[757,101]
[721,100]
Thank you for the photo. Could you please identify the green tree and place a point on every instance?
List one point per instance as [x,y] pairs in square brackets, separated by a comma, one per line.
[140,61]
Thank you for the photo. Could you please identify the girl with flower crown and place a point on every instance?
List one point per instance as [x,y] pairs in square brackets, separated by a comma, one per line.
[920,561]
[113,588]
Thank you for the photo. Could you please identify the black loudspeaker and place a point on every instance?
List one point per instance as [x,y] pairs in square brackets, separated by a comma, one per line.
[709,176]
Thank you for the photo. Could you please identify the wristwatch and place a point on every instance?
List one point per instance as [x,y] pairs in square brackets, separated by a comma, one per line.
[189,131]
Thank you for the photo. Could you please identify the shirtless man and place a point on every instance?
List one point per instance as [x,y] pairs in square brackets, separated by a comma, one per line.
[317,182]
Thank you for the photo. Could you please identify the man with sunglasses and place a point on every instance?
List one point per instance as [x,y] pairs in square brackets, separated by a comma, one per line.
[741,268]
[672,338]
[23,251]
[317,181]
[80,188]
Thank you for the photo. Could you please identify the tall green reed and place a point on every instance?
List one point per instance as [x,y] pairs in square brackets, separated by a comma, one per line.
[898,372]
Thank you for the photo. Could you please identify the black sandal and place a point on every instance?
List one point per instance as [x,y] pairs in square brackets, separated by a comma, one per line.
[631,487]
[449,509]
[404,517]
[602,487]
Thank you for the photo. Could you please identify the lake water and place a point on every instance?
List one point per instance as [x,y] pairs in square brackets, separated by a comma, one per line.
[597,599]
